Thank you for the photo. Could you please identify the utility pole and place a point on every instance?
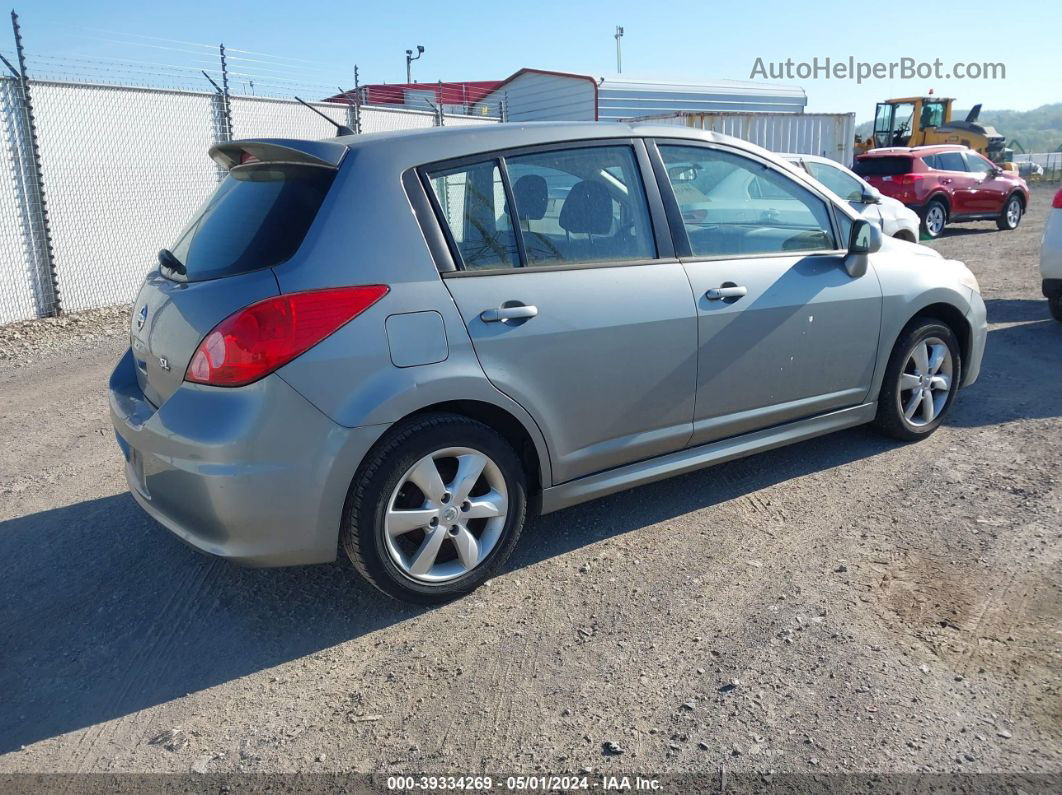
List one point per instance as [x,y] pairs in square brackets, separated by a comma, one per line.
[619,58]
[410,58]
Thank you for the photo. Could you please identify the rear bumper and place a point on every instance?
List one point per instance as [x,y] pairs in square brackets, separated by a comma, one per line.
[254,474]
[977,317]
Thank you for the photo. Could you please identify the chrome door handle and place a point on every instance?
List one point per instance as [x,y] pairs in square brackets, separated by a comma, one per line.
[717,293]
[504,313]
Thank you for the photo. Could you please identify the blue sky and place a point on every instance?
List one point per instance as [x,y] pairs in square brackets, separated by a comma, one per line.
[318,43]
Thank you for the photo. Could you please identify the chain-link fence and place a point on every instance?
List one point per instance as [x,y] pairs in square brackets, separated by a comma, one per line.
[121,170]
[1040,166]
[18,297]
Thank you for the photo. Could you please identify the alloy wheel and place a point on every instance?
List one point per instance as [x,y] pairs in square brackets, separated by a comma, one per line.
[446,515]
[1013,213]
[926,382]
[935,219]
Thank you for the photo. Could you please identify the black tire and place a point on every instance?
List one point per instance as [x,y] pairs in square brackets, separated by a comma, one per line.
[890,419]
[1054,305]
[362,534]
[928,229]
[1003,222]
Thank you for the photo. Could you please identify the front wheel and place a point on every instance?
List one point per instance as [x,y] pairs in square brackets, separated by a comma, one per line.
[1010,215]
[920,382]
[436,509]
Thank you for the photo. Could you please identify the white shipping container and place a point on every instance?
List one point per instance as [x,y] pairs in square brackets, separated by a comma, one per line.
[829,135]
[541,95]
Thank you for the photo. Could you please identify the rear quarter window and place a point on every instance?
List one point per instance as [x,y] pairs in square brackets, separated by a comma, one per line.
[883,166]
[257,218]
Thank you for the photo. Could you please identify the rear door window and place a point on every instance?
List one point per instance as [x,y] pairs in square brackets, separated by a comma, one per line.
[257,218]
[473,204]
[581,205]
[882,166]
[951,161]
[573,205]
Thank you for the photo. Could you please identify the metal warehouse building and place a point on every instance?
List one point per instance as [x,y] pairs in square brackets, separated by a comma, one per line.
[540,95]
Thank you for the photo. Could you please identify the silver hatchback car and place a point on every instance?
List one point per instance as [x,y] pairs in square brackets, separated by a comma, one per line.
[404,345]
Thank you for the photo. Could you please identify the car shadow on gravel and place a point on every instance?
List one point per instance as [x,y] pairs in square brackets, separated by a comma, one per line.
[103,613]
[960,231]
[564,531]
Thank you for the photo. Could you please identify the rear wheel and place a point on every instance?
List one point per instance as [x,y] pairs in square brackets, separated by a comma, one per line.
[1055,305]
[920,381]
[934,218]
[436,509]
[1010,215]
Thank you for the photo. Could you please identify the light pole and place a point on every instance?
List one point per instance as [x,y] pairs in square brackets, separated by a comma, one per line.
[410,58]
[619,60]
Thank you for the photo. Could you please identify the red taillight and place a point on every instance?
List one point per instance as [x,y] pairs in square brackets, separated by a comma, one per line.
[911,179]
[1057,201]
[256,340]
[247,157]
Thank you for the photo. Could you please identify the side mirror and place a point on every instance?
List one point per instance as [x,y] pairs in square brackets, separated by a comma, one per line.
[871,196]
[864,241]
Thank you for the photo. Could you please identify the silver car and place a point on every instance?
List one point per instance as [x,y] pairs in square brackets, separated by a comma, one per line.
[894,217]
[405,345]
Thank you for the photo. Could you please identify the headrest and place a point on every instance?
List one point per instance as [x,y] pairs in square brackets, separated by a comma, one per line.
[587,209]
[531,197]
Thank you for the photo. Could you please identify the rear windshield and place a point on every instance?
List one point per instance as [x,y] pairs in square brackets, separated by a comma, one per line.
[256,218]
[882,166]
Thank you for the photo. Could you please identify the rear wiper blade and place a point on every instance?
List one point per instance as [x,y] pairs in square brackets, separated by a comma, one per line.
[168,260]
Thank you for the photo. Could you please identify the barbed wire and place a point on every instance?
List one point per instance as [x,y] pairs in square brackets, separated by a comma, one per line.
[215,46]
[179,64]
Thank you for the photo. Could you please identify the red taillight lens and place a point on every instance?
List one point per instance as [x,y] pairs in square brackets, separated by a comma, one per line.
[910,179]
[247,157]
[256,340]
[1057,201]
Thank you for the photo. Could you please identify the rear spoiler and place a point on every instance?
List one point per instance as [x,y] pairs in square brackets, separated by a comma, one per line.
[284,150]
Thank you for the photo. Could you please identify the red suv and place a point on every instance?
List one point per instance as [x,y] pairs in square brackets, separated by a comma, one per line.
[946,183]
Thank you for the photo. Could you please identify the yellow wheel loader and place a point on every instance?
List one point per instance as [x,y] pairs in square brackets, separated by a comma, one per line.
[922,121]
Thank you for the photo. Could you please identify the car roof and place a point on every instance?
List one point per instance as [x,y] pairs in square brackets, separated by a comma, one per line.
[401,150]
[408,148]
[915,151]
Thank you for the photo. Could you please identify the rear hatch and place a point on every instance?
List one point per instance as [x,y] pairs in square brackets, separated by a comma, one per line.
[222,261]
[884,172]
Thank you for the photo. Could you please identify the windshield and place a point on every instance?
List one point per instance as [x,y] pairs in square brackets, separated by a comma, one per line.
[256,218]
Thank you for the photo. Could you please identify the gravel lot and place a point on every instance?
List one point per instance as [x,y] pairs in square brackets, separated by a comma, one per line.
[847,604]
